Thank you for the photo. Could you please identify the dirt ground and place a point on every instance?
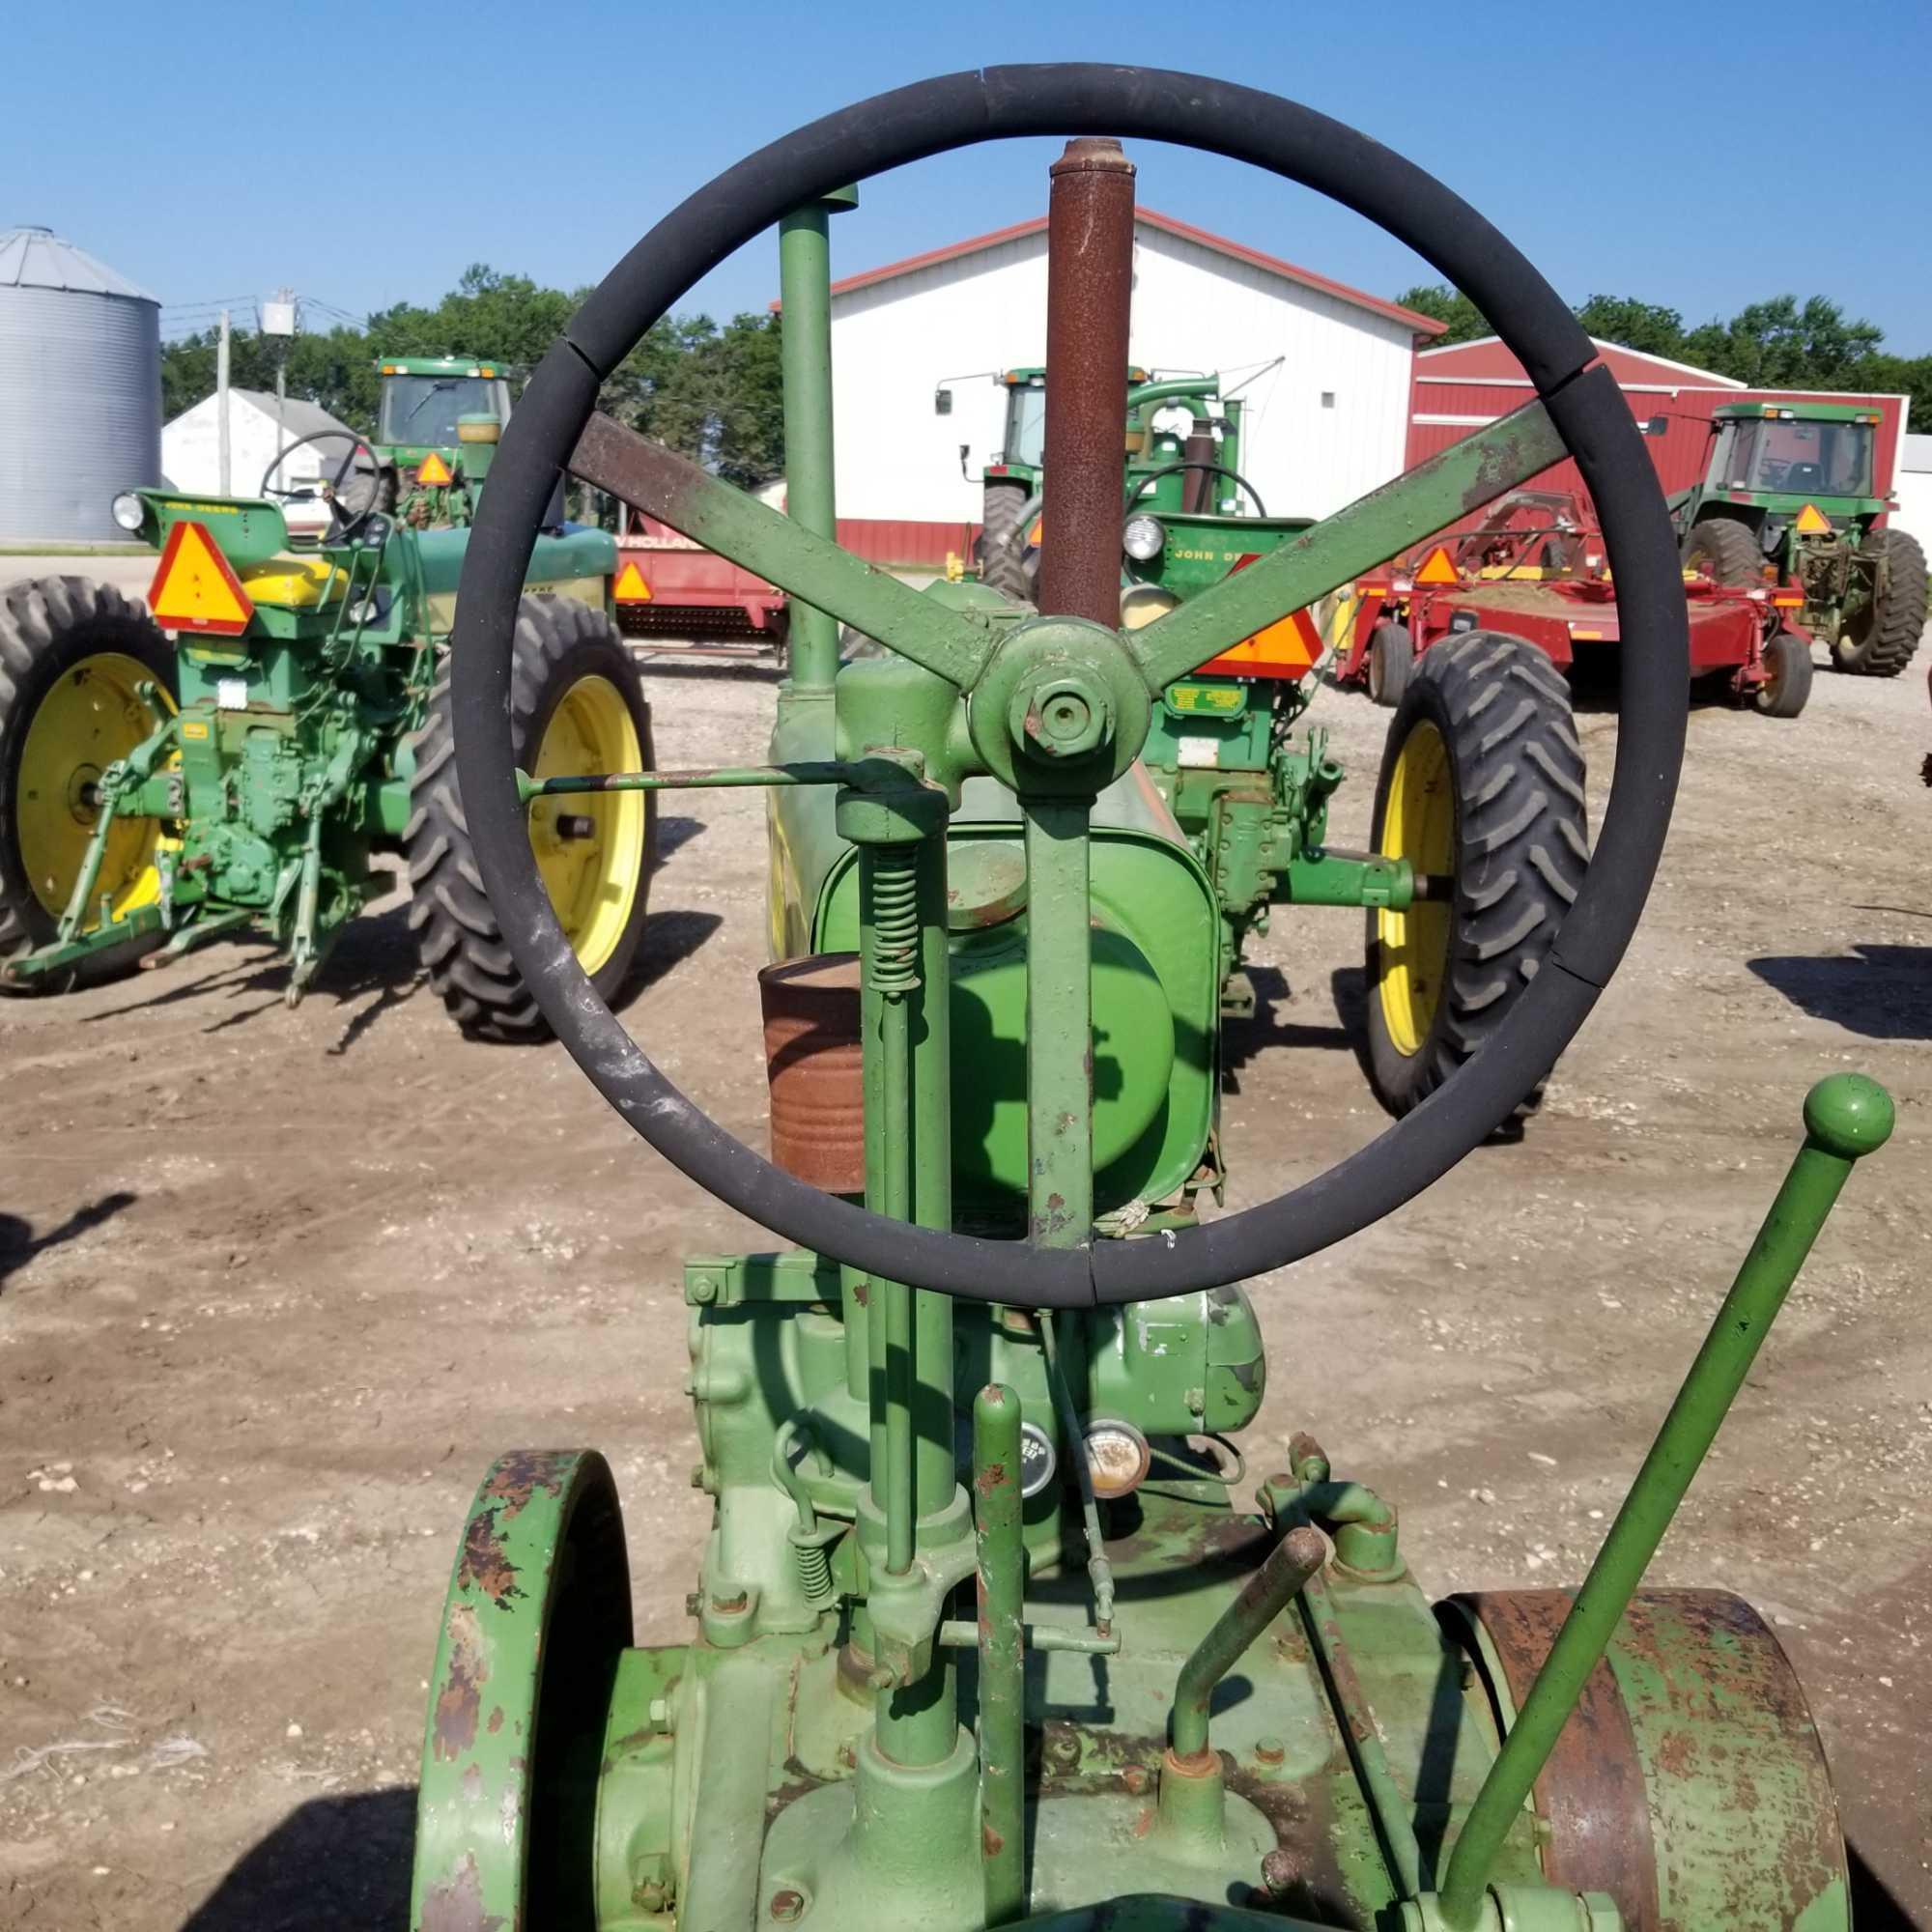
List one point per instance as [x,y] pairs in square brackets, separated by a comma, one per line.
[274,1286]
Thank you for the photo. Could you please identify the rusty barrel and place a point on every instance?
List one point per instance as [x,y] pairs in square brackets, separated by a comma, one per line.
[814,1063]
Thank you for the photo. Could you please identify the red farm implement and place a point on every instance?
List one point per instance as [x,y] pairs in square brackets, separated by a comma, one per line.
[1535,568]
[673,592]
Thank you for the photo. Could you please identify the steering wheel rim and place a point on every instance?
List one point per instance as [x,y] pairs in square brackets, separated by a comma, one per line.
[347,525]
[1233,477]
[1281,137]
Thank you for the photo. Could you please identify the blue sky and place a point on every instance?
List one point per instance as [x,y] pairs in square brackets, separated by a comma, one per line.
[363,154]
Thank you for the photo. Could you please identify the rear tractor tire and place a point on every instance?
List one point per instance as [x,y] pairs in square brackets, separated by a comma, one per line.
[73,654]
[1482,784]
[1725,551]
[1693,1724]
[1391,659]
[1002,545]
[577,706]
[1788,675]
[1883,634]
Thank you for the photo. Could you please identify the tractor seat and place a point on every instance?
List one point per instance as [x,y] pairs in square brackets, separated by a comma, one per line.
[294,582]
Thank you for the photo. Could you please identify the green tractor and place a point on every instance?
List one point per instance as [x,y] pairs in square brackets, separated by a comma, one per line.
[1164,467]
[156,795]
[985,1632]
[437,419]
[1789,497]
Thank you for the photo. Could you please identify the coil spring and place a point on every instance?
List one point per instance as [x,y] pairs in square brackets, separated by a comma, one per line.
[895,883]
[814,1569]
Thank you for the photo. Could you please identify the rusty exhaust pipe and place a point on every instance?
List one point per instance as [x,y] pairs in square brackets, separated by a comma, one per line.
[1090,275]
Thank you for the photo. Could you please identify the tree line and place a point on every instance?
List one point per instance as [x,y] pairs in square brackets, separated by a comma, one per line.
[707,390]
[712,390]
[1778,343]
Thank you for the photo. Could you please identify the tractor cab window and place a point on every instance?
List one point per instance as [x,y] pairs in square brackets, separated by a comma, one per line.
[1026,425]
[1797,457]
[421,412]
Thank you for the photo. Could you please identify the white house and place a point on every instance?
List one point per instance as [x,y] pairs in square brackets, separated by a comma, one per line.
[1323,369]
[190,453]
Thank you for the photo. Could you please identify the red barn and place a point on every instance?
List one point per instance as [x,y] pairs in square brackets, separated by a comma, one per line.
[1457,390]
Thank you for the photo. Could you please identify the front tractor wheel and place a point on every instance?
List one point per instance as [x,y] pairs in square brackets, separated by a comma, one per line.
[1481,786]
[577,707]
[74,659]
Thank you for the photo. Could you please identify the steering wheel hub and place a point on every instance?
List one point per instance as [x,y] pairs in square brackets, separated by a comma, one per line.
[1060,708]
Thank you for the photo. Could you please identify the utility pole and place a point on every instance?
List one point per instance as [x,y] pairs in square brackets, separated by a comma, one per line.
[221,408]
[278,319]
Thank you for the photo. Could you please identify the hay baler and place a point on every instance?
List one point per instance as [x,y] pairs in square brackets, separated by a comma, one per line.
[982,1634]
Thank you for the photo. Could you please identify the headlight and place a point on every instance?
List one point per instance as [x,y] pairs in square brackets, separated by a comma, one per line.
[1143,538]
[1141,603]
[128,510]
[1118,1457]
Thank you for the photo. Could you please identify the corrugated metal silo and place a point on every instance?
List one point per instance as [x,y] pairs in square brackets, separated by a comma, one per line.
[80,390]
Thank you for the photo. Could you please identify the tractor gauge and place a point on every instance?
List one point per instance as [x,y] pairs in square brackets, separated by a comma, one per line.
[1118,1457]
[1037,1460]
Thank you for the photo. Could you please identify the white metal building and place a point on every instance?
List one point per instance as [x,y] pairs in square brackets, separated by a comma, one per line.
[1913,487]
[190,446]
[1323,424]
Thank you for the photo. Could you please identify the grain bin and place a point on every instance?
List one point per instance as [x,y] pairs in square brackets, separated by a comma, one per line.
[80,390]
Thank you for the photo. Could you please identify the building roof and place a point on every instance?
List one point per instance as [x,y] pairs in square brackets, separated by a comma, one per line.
[37,258]
[1165,224]
[299,418]
[1493,350]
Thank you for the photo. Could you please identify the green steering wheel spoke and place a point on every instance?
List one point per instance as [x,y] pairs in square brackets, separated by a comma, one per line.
[1368,532]
[1060,1024]
[950,643]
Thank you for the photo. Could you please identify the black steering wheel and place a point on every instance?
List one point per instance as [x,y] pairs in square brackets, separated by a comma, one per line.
[1233,477]
[1579,408]
[351,510]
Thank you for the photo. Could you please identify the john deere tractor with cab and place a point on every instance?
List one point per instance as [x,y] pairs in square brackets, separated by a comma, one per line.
[156,795]
[984,1632]
[1789,497]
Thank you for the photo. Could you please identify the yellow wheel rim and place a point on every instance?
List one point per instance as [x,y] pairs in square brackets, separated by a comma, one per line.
[590,848]
[1419,825]
[92,717]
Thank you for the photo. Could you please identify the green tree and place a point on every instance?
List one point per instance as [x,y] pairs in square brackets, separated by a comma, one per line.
[1646,326]
[1780,344]
[711,393]
[1441,303]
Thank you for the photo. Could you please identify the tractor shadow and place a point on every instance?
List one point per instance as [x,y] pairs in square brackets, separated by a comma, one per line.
[20,1245]
[375,963]
[332,1862]
[1245,1039]
[1879,992]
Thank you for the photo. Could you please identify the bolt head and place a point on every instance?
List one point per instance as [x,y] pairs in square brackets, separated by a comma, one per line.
[1061,718]
[787,1905]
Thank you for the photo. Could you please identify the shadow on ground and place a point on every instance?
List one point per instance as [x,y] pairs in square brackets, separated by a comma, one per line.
[1881,992]
[20,1245]
[330,1863]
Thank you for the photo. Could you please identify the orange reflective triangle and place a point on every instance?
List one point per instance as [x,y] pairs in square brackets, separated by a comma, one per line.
[630,587]
[1812,522]
[196,588]
[435,472]
[1437,568]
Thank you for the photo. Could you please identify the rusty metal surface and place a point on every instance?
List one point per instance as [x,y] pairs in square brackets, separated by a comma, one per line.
[815,1065]
[1089,274]
[1591,1794]
[1692,1784]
